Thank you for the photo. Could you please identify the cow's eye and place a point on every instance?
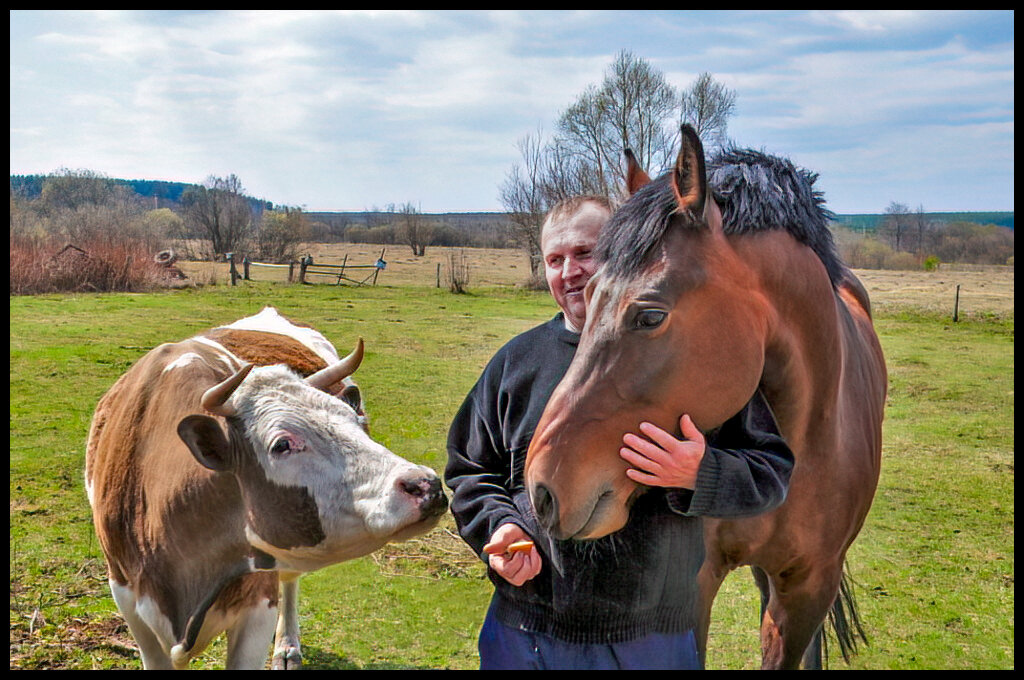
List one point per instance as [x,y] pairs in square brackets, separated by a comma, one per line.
[647,319]
[281,446]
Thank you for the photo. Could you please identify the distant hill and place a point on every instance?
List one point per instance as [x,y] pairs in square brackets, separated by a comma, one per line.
[163,194]
[870,222]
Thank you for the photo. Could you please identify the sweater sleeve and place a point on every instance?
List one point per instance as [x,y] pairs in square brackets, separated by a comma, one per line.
[745,470]
[478,472]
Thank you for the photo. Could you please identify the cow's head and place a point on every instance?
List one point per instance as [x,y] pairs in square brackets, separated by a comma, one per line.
[317,488]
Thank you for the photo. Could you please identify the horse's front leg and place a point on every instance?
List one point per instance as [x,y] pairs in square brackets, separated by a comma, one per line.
[798,602]
[287,649]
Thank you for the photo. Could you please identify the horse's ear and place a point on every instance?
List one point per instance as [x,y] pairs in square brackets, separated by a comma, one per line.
[635,175]
[689,178]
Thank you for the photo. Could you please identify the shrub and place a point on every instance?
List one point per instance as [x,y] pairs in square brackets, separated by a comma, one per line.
[458,271]
[43,264]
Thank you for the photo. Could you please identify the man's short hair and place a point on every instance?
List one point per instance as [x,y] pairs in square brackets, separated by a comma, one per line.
[570,206]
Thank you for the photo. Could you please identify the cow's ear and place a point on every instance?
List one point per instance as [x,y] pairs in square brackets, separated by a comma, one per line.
[352,396]
[207,442]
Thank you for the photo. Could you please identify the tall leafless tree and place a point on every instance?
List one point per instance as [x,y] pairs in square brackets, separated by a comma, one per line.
[412,229]
[279,234]
[523,197]
[219,210]
[633,107]
[707,105]
[896,224]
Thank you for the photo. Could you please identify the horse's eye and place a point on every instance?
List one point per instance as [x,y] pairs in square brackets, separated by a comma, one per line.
[647,319]
[281,446]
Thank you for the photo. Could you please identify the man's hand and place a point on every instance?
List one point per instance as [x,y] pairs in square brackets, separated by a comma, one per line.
[516,568]
[663,460]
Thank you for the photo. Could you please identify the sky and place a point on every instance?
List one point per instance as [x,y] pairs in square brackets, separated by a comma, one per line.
[355,110]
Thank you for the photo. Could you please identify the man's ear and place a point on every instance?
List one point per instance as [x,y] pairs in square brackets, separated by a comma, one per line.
[206,440]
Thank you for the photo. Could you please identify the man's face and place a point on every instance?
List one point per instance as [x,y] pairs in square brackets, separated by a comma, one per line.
[567,245]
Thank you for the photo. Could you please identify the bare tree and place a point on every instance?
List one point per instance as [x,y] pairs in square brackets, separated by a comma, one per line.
[920,224]
[522,195]
[83,206]
[640,105]
[279,235]
[707,105]
[633,108]
[581,139]
[412,229]
[220,212]
[896,224]
[75,189]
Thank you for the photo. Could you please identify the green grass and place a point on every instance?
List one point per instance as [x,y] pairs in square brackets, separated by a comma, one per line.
[933,566]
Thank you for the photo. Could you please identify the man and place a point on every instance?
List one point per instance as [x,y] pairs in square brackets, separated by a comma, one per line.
[626,601]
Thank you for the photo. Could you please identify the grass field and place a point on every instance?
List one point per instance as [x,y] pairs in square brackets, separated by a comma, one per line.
[933,566]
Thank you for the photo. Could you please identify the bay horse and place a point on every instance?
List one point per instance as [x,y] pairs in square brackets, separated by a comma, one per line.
[693,309]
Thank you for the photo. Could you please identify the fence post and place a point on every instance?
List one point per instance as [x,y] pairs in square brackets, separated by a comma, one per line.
[303,263]
[379,265]
[245,267]
[291,271]
[234,272]
[341,274]
[956,305]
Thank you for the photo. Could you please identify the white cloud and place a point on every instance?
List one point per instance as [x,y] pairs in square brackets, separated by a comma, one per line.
[347,109]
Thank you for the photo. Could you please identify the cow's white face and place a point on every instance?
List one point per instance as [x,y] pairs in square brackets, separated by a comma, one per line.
[318,489]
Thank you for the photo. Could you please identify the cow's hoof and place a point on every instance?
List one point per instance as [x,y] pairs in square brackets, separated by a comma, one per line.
[289,659]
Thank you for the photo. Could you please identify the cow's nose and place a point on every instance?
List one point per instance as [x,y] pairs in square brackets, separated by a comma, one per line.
[426,490]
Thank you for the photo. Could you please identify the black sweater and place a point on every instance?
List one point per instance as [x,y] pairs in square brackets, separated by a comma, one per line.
[639,580]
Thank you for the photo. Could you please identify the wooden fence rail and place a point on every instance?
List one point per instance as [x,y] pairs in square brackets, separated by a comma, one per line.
[339,272]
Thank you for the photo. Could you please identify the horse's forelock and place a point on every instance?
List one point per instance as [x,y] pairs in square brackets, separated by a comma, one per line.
[634,231]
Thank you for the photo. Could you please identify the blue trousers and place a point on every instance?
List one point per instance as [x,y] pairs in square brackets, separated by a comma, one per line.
[505,648]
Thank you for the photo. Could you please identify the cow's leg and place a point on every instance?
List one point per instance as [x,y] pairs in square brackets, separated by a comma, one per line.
[153,652]
[797,606]
[249,637]
[287,650]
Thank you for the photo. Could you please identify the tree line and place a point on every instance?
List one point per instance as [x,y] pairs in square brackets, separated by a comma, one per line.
[911,239]
[207,221]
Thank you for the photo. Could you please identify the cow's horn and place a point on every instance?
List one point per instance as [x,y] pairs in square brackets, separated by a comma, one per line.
[326,377]
[215,399]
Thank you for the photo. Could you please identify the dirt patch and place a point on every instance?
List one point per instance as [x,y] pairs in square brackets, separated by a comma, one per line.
[438,554]
[983,290]
[38,645]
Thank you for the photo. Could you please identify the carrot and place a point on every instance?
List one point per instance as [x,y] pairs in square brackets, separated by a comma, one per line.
[520,546]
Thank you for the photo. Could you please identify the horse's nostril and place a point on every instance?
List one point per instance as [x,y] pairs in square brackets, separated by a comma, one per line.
[545,505]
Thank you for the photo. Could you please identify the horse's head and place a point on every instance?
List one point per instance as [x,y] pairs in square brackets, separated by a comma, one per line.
[674,326]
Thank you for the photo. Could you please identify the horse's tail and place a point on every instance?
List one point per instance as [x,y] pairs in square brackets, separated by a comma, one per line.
[844,619]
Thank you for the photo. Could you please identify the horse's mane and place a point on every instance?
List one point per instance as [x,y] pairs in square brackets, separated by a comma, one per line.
[755,191]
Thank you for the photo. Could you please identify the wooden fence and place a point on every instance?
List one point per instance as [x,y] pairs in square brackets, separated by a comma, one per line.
[359,274]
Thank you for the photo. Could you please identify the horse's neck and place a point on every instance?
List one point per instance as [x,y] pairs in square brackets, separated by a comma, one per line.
[803,353]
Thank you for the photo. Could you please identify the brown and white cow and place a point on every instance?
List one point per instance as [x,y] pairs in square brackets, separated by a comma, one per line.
[222,467]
